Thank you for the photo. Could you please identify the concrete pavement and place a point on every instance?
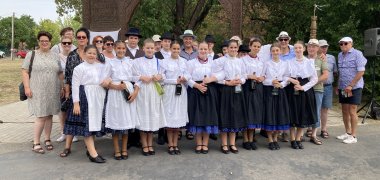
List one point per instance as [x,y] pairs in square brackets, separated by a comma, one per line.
[332,160]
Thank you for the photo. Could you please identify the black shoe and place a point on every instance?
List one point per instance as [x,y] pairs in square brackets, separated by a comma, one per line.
[299,144]
[276,145]
[125,157]
[88,155]
[253,146]
[96,159]
[160,140]
[271,146]
[189,135]
[204,151]
[117,157]
[294,144]
[198,151]
[171,150]
[247,145]
[213,137]
[235,151]
[151,152]
[143,152]
[263,133]
[223,150]
[176,150]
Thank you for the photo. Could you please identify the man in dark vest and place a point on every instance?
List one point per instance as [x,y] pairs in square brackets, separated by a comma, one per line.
[211,43]
[133,52]
[133,37]
[166,40]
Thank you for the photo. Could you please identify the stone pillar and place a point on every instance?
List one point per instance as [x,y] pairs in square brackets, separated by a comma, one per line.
[313,27]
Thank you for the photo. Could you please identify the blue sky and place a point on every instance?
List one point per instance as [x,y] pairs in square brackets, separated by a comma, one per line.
[38,9]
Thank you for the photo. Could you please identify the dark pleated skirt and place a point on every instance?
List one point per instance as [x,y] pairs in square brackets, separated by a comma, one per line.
[203,108]
[233,111]
[276,113]
[78,125]
[254,100]
[302,107]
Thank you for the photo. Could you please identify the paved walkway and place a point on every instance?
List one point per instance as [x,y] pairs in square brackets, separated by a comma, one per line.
[332,160]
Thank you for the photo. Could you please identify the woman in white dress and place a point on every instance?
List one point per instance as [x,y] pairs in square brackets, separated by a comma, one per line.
[150,108]
[88,98]
[175,98]
[120,112]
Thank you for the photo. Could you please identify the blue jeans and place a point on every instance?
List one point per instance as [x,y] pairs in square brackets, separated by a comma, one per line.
[318,102]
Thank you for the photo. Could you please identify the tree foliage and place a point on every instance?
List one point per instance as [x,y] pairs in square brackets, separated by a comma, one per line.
[23,31]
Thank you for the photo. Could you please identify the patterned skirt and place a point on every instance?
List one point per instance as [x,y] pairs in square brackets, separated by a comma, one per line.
[78,125]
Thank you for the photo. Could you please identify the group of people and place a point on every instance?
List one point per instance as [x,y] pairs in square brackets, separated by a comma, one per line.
[112,86]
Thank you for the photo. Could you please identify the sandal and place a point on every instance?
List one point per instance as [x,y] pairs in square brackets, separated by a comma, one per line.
[235,151]
[151,152]
[324,134]
[65,153]
[189,135]
[176,150]
[315,140]
[49,146]
[308,132]
[38,150]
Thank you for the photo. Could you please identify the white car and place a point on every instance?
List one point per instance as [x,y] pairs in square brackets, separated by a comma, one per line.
[2,54]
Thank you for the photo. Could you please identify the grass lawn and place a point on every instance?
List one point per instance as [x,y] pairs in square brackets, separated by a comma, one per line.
[10,78]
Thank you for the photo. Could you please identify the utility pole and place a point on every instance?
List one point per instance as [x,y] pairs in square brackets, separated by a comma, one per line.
[13,34]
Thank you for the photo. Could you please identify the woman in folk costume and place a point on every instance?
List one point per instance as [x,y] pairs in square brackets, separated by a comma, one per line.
[300,94]
[150,108]
[121,107]
[88,98]
[175,98]
[253,92]
[276,108]
[233,112]
[202,99]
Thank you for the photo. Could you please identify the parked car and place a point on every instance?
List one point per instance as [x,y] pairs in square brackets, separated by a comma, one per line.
[2,54]
[21,54]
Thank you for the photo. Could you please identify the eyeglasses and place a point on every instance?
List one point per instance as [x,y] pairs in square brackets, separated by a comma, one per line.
[81,37]
[283,39]
[44,41]
[345,43]
[99,42]
[109,44]
[66,43]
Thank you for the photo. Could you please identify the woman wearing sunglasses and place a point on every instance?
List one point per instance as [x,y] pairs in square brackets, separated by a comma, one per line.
[66,44]
[74,58]
[108,51]
[67,32]
[98,42]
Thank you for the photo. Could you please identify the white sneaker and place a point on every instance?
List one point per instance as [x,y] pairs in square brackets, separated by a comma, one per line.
[343,136]
[75,139]
[350,140]
[61,138]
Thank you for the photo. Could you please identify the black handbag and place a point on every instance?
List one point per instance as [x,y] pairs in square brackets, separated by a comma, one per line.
[65,104]
[21,87]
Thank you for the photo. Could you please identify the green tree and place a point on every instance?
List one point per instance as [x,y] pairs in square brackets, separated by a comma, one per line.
[50,26]
[23,31]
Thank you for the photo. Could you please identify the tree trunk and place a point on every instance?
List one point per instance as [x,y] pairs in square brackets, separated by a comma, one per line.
[179,16]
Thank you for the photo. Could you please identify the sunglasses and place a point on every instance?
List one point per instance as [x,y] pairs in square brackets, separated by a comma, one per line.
[66,43]
[345,43]
[109,44]
[283,40]
[81,37]
[99,42]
